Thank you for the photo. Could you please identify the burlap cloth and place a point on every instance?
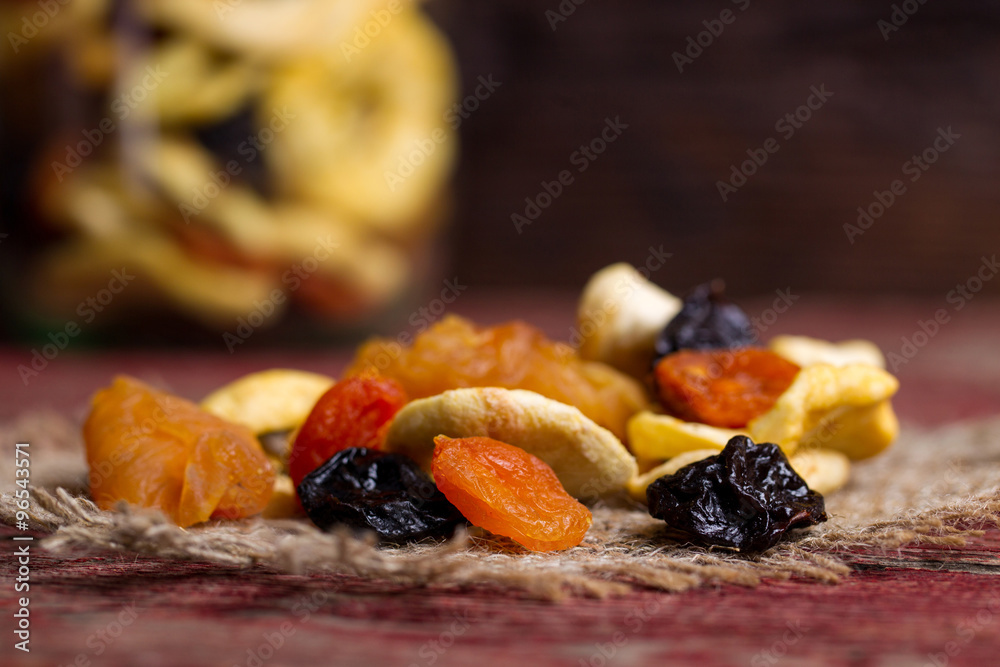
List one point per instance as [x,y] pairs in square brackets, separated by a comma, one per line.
[934,486]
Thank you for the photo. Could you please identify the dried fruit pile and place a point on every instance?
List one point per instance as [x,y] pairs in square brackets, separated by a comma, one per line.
[663,399]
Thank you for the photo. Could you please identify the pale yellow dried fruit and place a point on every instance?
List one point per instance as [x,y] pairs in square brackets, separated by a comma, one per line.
[637,485]
[824,470]
[263,29]
[806,351]
[619,316]
[273,400]
[283,504]
[858,432]
[654,437]
[843,400]
[589,460]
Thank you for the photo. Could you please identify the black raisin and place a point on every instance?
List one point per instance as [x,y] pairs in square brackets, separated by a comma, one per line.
[707,320]
[372,490]
[746,497]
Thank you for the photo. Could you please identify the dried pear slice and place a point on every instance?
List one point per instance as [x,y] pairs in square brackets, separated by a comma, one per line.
[806,351]
[822,393]
[273,400]
[824,470]
[588,459]
[654,437]
[858,432]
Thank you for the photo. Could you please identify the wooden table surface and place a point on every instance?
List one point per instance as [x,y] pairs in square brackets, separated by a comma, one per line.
[915,606]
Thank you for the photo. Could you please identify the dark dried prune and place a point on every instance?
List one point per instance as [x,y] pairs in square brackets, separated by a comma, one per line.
[707,320]
[372,490]
[746,497]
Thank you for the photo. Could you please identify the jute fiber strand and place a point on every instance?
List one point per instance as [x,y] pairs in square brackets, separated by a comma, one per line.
[935,486]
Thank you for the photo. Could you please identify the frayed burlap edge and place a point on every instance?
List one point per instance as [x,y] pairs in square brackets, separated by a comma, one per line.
[913,495]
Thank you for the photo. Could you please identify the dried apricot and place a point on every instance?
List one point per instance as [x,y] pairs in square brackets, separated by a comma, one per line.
[509,492]
[152,449]
[454,353]
[725,388]
[353,413]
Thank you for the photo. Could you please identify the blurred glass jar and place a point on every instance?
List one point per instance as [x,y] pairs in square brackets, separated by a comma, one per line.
[231,162]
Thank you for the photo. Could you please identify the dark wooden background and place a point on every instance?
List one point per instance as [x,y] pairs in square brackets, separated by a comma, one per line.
[656,185]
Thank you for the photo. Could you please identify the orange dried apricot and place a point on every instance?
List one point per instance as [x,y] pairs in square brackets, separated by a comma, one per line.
[509,492]
[352,413]
[455,353]
[153,449]
[725,388]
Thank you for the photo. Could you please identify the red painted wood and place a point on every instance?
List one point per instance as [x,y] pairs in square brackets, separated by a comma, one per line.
[196,614]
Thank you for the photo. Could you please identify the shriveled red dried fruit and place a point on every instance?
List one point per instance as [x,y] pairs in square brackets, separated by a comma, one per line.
[725,388]
[509,492]
[353,413]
